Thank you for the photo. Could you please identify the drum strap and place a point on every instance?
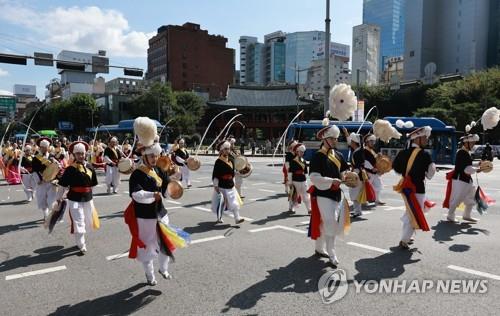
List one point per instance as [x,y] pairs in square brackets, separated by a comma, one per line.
[81,168]
[227,161]
[412,160]
[43,160]
[152,173]
[331,156]
[301,164]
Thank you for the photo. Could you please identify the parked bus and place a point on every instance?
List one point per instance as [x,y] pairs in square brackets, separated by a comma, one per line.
[442,143]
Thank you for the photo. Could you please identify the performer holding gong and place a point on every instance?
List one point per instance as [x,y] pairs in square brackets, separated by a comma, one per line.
[111,157]
[45,169]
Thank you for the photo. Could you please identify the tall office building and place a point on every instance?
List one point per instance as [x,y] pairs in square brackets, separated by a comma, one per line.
[245,42]
[389,15]
[274,58]
[191,59]
[301,49]
[453,34]
[494,34]
[365,54]
[255,64]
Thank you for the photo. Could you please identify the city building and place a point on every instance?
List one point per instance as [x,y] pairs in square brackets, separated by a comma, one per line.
[393,70]
[365,54]
[339,73]
[389,15]
[494,34]
[266,110]
[451,34]
[114,104]
[191,59]
[7,106]
[274,58]
[285,58]
[25,95]
[76,80]
[255,64]
[244,41]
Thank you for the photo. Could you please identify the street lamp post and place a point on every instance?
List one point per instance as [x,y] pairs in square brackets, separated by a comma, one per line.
[327,57]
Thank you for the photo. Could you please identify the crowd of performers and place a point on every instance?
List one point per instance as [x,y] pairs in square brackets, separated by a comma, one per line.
[62,176]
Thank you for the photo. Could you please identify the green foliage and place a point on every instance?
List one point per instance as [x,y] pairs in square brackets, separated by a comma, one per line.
[184,108]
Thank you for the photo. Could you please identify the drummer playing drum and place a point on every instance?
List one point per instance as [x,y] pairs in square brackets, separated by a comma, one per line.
[46,190]
[374,174]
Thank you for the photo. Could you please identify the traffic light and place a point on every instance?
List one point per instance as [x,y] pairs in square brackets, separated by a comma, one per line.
[133,72]
[13,59]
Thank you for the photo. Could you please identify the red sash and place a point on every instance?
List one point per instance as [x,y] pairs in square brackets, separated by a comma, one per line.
[449,177]
[131,221]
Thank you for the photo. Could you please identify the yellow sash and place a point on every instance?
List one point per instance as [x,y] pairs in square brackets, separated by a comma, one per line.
[228,162]
[82,169]
[398,187]
[331,156]
[43,160]
[301,164]
[152,173]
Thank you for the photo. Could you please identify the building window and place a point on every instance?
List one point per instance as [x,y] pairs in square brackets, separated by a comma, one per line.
[412,53]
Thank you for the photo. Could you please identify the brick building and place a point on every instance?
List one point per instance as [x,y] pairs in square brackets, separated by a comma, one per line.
[191,59]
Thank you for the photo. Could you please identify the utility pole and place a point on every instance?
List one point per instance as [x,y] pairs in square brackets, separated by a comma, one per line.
[327,57]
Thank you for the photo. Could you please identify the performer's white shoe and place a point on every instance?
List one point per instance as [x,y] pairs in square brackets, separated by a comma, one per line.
[165,275]
[334,261]
[152,282]
[470,219]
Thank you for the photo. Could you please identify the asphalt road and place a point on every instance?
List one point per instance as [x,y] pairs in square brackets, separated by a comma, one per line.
[263,267]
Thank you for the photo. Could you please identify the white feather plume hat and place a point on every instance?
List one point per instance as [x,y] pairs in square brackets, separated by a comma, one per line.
[146,130]
[342,102]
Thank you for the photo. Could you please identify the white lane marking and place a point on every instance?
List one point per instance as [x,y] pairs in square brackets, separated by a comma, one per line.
[305,222]
[264,190]
[117,256]
[19,190]
[367,212]
[126,192]
[393,208]
[173,202]
[36,272]
[204,209]
[175,207]
[368,247]
[198,241]
[255,174]
[279,182]
[259,199]
[195,189]
[196,181]
[475,272]
[259,183]
[108,196]
[278,227]
[203,178]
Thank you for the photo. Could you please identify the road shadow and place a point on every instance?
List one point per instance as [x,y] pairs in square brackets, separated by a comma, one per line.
[387,266]
[445,231]
[122,303]
[198,203]
[26,225]
[299,276]
[113,215]
[203,227]
[14,203]
[277,217]
[43,255]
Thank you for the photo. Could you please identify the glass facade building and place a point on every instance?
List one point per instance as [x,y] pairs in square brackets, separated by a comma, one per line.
[389,16]
[255,60]
[301,49]
[494,34]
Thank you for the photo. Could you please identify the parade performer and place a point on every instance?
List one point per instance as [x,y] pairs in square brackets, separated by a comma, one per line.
[111,157]
[238,179]
[357,166]
[225,195]
[29,183]
[60,154]
[370,167]
[297,179]
[79,178]
[12,165]
[289,155]
[328,214]
[414,164]
[460,185]
[146,216]
[180,157]
[45,191]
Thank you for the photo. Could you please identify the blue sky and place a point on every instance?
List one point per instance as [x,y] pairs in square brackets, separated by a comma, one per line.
[123,27]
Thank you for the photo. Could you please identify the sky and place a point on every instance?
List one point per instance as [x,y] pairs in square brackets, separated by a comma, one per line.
[123,28]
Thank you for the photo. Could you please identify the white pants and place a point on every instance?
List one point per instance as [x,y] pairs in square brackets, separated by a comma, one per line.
[112,178]
[148,235]
[376,182]
[231,201]
[28,185]
[45,195]
[330,227]
[353,194]
[301,188]
[238,181]
[81,216]
[408,230]
[461,192]
[186,176]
